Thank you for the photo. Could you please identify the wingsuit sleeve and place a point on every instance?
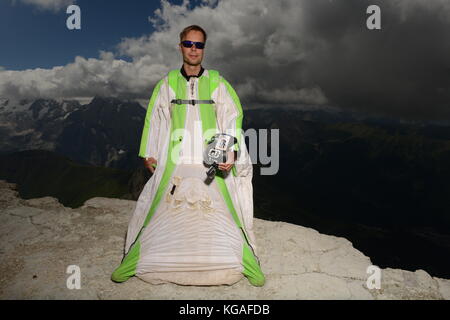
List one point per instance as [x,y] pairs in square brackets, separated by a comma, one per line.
[233,112]
[231,116]
[149,146]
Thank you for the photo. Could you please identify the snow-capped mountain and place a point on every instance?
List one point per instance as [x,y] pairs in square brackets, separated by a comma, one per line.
[104,132]
[107,131]
[26,124]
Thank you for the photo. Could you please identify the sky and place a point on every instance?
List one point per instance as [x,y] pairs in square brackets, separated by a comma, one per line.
[45,40]
[275,53]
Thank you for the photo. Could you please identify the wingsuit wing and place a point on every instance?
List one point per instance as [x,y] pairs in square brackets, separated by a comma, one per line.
[154,143]
[155,121]
[230,117]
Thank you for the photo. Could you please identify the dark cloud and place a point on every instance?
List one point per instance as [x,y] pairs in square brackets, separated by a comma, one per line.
[315,53]
[401,70]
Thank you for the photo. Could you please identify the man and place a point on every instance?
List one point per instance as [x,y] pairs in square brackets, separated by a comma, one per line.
[192,58]
[185,230]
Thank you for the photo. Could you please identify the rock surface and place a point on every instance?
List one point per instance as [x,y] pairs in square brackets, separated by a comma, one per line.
[40,239]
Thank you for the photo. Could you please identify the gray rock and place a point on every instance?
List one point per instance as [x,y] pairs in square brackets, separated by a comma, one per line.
[40,239]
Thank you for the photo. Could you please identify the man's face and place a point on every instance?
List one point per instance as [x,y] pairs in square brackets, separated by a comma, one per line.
[192,55]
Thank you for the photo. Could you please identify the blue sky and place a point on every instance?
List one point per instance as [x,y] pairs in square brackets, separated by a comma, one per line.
[300,53]
[32,38]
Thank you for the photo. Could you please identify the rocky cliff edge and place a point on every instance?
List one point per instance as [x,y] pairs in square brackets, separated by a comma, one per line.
[40,238]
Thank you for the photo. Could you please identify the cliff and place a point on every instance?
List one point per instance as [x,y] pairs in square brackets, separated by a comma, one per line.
[40,238]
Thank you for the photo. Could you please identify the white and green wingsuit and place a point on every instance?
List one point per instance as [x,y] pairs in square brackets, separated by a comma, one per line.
[183,230]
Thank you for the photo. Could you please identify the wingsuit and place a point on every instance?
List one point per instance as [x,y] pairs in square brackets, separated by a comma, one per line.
[183,230]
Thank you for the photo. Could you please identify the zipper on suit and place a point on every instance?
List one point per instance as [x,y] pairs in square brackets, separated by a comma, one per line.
[192,87]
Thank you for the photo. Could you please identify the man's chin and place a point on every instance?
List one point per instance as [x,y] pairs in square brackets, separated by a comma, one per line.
[193,63]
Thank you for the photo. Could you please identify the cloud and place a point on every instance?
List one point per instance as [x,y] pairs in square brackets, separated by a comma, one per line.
[280,52]
[52,5]
[82,78]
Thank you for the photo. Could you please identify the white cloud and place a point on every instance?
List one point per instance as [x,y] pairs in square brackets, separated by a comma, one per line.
[82,78]
[270,51]
[244,43]
[52,5]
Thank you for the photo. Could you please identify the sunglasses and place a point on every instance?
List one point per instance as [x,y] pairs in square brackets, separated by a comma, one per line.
[188,44]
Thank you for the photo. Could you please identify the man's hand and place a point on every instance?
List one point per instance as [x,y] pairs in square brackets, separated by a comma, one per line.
[150,164]
[230,161]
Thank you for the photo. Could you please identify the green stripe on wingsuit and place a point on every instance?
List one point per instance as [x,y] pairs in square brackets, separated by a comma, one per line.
[178,122]
[207,111]
[127,268]
[147,121]
[128,265]
[252,269]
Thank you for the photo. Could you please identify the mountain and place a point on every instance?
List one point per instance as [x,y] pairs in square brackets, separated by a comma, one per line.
[40,173]
[383,186]
[35,124]
[105,132]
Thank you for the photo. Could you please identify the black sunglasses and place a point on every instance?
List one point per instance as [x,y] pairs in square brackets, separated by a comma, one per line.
[188,44]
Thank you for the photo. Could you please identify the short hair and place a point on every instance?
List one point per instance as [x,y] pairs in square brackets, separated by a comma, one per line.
[190,28]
